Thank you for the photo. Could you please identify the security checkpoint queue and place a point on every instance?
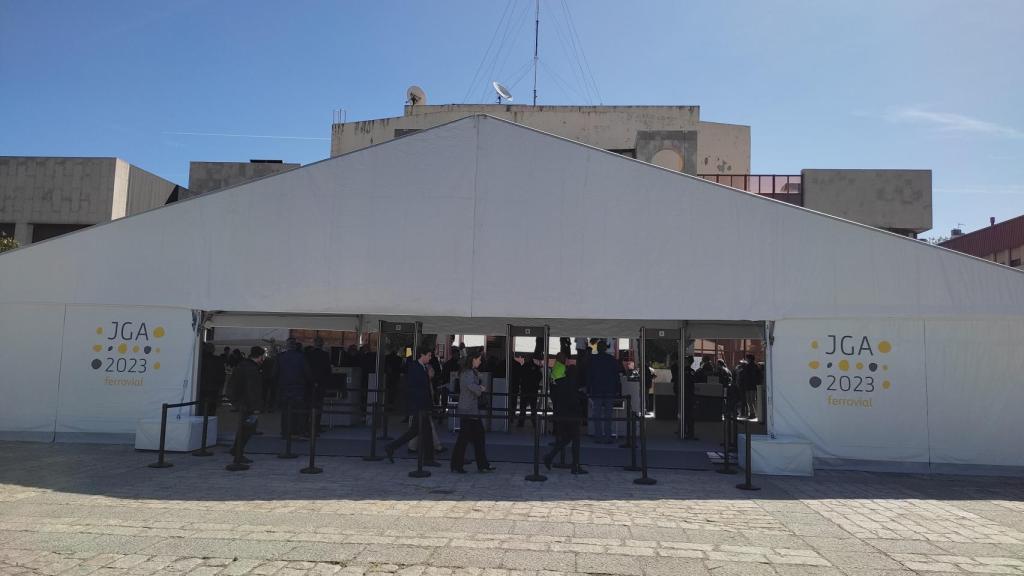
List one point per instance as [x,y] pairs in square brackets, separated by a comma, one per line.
[409,393]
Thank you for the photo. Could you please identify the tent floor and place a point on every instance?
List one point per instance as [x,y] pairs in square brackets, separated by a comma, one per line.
[664,449]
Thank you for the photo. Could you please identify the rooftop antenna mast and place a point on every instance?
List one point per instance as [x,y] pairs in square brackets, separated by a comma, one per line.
[536,39]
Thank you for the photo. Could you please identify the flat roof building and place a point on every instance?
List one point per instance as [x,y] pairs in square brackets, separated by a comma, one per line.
[42,197]
[1002,243]
[676,138]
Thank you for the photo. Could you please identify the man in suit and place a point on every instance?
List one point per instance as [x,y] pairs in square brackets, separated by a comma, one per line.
[417,401]
[603,388]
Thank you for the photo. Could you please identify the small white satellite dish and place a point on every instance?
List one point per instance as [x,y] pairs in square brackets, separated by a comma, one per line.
[502,92]
[415,95]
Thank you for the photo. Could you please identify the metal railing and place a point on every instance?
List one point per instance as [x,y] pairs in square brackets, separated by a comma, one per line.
[783,187]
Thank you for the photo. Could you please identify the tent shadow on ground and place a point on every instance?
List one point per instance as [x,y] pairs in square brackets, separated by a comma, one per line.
[118,472]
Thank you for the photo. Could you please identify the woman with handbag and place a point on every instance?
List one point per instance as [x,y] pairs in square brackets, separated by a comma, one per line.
[471,429]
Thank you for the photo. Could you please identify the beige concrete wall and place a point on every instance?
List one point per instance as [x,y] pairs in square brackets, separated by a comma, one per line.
[206,177]
[146,190]
[119,201]
[49,190]
[607,127]
[888,199]
[723,148]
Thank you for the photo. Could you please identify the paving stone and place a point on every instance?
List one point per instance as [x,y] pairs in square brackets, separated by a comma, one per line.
[466,557]
[607,564]
[531,560]
[671,567]
[385,554]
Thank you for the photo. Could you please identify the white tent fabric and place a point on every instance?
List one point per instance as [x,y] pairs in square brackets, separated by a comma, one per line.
[532,225]
[481,222]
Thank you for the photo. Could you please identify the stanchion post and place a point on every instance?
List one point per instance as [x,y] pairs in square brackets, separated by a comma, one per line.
[384,417]
[161,462]
[644,479]
[421,446]
[725,469]
[312,468]
[288,454]
[747,485]
[206,424]
[536,476]
[372,456]
[631,436]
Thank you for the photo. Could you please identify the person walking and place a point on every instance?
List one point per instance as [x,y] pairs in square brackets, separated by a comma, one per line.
[319,361]
[418,403]
[567,401]
[602,388]
[246,387]
[471,428]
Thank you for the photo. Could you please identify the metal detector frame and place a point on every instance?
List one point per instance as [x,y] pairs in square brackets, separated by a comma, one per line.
[511,333]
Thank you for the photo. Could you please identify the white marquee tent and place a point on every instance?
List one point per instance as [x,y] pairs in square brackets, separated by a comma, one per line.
[480,222]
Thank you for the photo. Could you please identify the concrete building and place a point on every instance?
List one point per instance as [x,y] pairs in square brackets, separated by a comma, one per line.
[206,177]
[1002,243]
[43,197]
[675,137]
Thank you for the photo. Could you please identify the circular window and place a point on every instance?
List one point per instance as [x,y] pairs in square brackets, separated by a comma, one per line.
[668,158]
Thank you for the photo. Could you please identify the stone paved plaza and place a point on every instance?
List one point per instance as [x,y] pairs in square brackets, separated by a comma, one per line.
[88,509]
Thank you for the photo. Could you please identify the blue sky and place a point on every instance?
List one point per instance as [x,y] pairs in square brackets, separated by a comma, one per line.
[858,84]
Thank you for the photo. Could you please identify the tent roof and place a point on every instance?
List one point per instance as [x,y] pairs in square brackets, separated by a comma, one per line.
[482,218]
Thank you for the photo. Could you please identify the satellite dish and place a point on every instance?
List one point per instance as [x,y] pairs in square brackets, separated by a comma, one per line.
[415,95]
[502,92]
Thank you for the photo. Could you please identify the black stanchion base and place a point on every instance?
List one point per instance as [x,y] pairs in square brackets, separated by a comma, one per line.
[374,458]
[746,486]
[160,465]
[727,471]
[419,474]
[288,456]
[536,478]
[631,468]
[236,467]
[202,452]
[645,481]
[311,470]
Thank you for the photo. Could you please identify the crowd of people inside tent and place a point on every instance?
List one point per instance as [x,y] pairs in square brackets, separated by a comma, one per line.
[581,387]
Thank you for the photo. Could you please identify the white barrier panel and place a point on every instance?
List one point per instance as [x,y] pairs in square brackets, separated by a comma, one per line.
[854,388]
[119,364]
[975,391]
[30,336]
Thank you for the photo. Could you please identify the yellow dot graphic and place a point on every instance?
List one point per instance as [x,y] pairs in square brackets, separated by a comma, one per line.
[885,367]
[860,365]
[156,366]
[884,347]
[814,364]
[814,344]
[99,330]
[844,365]
[135,348]
[97,348]
[886,385]
[122,347]
[158,332]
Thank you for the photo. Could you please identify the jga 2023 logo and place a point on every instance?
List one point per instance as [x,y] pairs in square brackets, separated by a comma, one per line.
[128,348]
[854,364]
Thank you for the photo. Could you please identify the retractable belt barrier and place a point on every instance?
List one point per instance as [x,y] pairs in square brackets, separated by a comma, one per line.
[161,461]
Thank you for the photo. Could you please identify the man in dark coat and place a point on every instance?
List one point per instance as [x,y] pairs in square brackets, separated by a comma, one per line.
[246,390]
[530,378]
[602,388]
[567,401]
[417,402]
[319,361]
[211,380]
[293,379]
